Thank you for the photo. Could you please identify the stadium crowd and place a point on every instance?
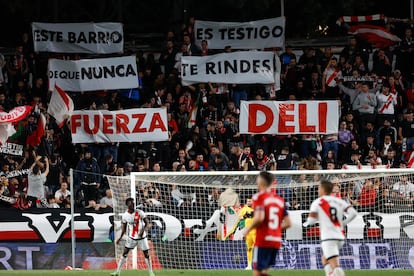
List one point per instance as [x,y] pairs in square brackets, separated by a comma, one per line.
[376,127]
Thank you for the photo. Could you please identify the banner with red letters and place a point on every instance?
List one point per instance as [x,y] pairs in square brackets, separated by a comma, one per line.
[130,125]
[16,114]
[289,117]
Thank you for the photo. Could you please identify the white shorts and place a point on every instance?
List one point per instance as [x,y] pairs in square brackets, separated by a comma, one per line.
[142,243]
[330,248]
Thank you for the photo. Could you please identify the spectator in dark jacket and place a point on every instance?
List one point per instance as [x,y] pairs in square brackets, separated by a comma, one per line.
[88,177]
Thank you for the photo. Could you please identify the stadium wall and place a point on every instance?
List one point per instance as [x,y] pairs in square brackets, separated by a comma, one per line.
[40,239]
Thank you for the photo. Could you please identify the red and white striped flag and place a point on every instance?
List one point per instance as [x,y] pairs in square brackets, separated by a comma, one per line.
[6,130]
[60,106]
[193,116]
[359,18]
[410,163]
[377,36]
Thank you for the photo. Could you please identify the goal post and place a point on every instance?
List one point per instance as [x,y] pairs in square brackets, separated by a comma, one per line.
[196,221]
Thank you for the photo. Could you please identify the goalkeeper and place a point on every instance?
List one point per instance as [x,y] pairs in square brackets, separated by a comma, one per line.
[246,215]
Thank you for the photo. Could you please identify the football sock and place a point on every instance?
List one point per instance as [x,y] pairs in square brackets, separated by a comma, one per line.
[121,263]
[338,271]
[249,256]
[149,264]
[328,270]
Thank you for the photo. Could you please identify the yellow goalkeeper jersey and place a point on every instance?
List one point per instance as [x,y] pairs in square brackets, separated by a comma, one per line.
[246,213]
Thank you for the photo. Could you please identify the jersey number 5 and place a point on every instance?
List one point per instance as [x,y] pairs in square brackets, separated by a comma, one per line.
[273,217]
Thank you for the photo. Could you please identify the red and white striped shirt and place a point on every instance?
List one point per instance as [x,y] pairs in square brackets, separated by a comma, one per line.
[332,74]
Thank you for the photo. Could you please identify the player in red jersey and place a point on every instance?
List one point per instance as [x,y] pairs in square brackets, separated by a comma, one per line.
[270,219]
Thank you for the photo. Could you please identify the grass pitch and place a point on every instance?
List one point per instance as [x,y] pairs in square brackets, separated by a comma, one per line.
[203,272]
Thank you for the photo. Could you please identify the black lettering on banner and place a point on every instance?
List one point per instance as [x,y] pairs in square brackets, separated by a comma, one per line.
[82,38]
[71,37]
[107,72]
[244,66]
[193,69]
[228,66]
[97,72]
[249,32]
[256,65]
[230,33]
[116,37]
[92,37]
[266,64]
[63,75]
[37,36]
[208,34]
[11,148]
[231,66]
[45,35]
[119,71]
[210,68]
[59,37]
[277,31]
[264,32]
[17,172]
[101,37]
[184,68]
[240,34]
[86,72]
[111,72]
[199,34]
[255,34]
[108,38]
[130,71]
[54,36]
[219,67]
[53,74]
[222,33]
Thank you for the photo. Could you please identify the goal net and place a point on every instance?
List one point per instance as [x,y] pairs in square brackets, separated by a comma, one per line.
[197,222]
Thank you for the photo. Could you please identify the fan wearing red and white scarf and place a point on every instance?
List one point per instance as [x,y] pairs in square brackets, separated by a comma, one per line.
[386,101]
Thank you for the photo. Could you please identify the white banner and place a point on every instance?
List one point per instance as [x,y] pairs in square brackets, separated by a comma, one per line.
[17,173]
[237,67]
[241,35]
[364,168]
[98,38]
[94,74]
[130,125]
[11,149]
[289,117]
